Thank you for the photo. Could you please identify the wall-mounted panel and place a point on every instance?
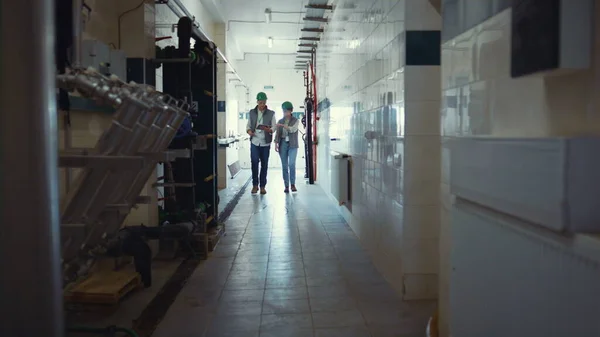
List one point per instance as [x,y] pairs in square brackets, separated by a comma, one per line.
[550,35]
[551,182]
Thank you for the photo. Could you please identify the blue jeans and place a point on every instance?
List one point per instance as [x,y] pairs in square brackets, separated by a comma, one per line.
[259,154]
[288,163]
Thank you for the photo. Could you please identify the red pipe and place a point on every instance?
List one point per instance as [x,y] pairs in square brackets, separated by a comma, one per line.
[315,105]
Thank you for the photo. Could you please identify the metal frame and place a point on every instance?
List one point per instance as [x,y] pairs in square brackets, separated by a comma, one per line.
[119,166]
[195,83]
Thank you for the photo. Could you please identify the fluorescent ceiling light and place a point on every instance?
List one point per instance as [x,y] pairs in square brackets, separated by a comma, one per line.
[268,15]
[270,42]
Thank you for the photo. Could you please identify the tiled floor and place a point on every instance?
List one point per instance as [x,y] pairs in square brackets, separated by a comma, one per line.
[233,186]
[290,267]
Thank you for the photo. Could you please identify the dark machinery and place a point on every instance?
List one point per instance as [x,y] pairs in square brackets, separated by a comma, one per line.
[309,123]
[189,74]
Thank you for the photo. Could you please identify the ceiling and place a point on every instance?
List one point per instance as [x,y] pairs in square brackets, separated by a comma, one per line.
[249,33]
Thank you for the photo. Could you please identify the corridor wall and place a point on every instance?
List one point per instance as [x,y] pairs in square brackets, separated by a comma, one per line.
[378,66]
[480,98]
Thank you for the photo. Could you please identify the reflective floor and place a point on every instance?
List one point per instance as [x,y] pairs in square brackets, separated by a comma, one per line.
[290,267]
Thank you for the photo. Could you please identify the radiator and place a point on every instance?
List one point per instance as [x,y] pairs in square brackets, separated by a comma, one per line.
[552,182]
[340,177]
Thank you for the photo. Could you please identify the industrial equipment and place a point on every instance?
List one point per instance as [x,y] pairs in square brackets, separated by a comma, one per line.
[309,122]
[189,74]
[115,171]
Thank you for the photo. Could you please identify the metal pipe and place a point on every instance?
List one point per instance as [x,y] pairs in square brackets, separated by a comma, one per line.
[30,286]
[77,32]
[76,62]
[198,31]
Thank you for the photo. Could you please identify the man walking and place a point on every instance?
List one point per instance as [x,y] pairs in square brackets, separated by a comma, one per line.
[260,128]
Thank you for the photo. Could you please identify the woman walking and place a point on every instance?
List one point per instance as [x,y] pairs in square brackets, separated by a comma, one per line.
[286,143]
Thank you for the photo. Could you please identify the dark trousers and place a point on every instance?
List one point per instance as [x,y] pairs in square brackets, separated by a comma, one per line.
[259,154]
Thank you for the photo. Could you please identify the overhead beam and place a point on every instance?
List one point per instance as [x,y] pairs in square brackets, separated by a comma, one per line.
[325,7]
[311,45]
[315,18]
[306,38]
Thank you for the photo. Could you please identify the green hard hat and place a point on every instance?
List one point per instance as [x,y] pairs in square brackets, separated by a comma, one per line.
[287,106]
[261,96]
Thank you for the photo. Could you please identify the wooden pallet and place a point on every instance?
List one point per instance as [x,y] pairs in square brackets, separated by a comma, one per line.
[214,236]
[104,287]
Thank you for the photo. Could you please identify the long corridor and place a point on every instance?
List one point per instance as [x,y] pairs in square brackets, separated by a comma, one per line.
[290,266]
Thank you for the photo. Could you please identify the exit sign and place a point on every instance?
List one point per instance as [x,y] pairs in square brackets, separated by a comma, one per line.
[269,87]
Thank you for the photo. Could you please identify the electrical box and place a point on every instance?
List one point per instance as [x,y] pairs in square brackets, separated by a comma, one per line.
[551,36]
[100,56]
[118,63]
[95,54]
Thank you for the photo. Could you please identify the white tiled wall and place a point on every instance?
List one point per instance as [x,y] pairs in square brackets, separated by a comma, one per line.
[480,98]
[386,115]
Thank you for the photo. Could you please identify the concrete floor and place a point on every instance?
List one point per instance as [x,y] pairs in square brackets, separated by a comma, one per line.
[290,267]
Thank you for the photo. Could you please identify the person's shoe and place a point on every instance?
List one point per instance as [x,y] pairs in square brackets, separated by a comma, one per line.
[263,191]
[287,190]
[294,188]
[254,189]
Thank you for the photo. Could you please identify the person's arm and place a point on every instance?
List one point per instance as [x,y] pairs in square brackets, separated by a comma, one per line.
[277,137]
[273,124]
[249,128]
[276,132]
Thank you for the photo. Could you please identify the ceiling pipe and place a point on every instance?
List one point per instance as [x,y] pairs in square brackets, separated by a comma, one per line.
[198,31]
[315,18]
[229,22]
[315,6]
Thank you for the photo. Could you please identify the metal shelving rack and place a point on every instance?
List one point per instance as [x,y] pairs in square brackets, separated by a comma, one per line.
[115,171]
[189,74]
